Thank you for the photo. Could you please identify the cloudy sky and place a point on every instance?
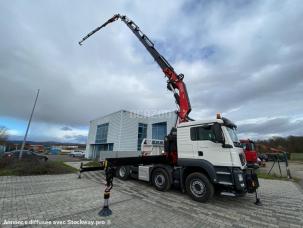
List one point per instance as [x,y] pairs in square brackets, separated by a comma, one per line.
[241,58]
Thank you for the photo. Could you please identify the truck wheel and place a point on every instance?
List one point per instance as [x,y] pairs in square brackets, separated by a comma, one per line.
[160,180]
[199,187]
[122,172]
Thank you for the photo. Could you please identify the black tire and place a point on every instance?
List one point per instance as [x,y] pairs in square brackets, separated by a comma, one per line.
[161,180]
[199,187]
[122,172]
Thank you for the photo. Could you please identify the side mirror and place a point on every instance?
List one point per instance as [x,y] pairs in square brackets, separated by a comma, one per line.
[217,130]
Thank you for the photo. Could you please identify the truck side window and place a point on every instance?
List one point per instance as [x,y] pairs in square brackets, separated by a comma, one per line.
[202,133]
[244,146]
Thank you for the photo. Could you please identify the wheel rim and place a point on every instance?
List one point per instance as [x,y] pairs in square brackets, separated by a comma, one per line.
[197,187]
[159,180]
[122,171]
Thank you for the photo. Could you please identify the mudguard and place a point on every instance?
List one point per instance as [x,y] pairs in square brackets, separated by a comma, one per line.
[201,163]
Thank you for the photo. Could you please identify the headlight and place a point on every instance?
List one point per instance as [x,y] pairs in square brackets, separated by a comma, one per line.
[240,176]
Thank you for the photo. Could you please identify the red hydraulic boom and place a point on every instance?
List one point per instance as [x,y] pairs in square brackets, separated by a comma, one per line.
[175,81]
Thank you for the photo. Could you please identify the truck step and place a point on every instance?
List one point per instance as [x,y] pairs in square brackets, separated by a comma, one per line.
[227,194]
[225,183]
[223,173]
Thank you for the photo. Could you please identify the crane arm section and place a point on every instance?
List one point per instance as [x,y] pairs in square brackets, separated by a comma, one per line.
[175,81]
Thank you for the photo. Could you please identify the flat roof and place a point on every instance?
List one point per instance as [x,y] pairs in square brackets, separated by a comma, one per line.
[198,122]
[140,115]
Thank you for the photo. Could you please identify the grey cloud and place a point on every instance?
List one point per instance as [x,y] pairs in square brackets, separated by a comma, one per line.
[282,126]
[76,138]
[259,66]
[77,83]
[239,55]
[66,128]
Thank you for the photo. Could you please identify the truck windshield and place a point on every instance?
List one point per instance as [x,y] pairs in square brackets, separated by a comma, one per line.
[234,137]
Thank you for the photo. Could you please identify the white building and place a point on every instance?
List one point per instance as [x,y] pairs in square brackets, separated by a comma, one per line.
[120,134]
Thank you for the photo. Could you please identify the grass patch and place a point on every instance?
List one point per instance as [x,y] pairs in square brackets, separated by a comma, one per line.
[296,161]
[274,176]
[93,163]
[12,167]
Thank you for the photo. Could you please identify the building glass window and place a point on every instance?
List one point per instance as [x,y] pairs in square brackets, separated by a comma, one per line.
[159,130]
[142,133]
[101,135]
[105,147]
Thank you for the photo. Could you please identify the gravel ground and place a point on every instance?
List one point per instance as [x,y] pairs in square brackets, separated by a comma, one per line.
[66,199]
[296,170]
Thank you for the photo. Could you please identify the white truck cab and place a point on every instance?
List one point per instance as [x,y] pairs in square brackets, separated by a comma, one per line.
[211,148]
[198,140]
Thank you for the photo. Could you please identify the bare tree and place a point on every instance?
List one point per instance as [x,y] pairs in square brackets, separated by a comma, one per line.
[291,144]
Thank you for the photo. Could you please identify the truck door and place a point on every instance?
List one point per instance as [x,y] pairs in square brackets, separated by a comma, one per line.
[185,145]
[206,147]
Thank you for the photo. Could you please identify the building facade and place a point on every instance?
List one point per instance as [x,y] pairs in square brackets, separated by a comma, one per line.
[120,134]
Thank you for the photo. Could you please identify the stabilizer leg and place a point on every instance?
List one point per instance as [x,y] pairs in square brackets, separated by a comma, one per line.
[258,201]
[105,211]
[81,166]
[109,172]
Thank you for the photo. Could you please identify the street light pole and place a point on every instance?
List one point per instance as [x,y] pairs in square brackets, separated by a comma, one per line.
[29,123]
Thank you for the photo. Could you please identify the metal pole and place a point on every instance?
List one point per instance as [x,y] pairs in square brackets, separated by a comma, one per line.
[279,167]
[287,168]
[272,165]
[28,125]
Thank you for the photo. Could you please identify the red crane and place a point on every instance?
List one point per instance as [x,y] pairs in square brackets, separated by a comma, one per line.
[175,81]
